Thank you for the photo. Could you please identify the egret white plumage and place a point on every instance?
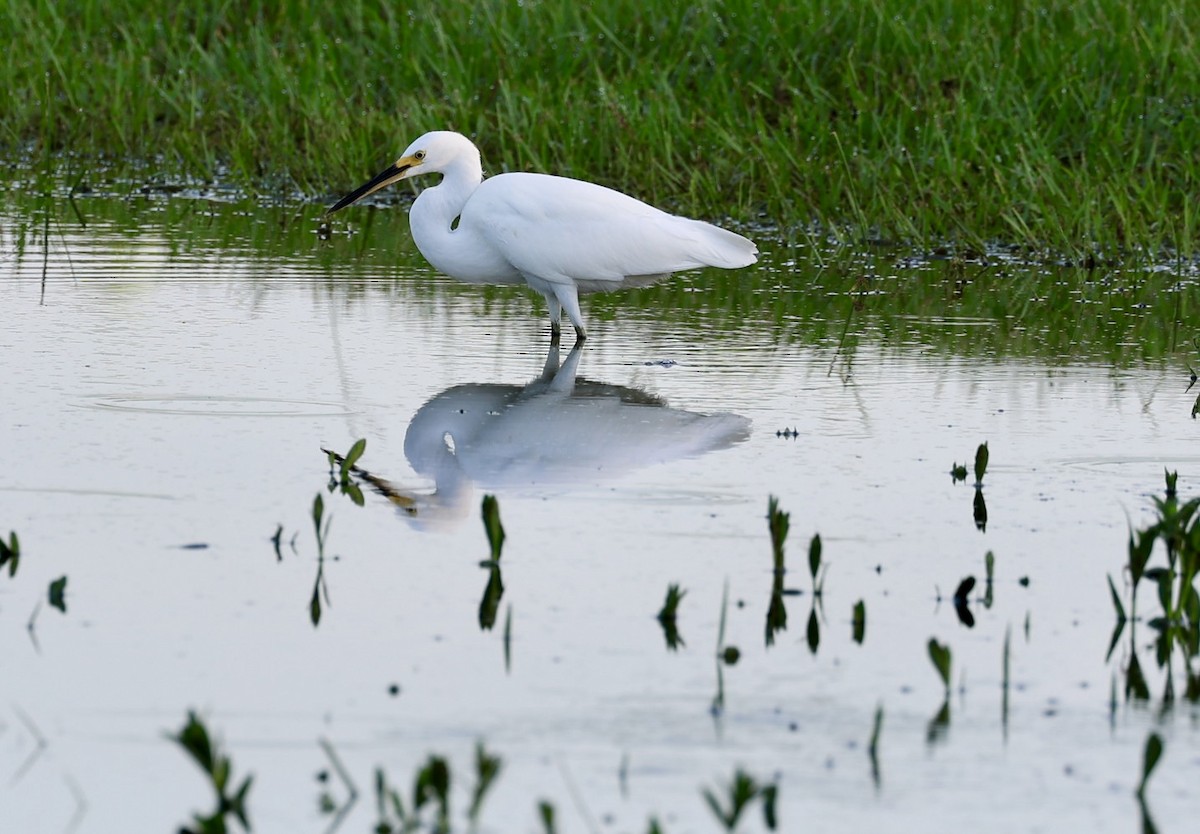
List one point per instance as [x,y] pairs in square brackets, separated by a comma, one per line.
[560,236]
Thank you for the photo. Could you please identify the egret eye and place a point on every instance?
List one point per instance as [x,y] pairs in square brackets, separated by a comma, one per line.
[419,155]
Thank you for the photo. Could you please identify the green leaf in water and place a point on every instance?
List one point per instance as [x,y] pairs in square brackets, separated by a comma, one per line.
[671,603]
[1135,680]
[667,617]
[58,589]
[814,631]
[326,803]
[742,792]
[318,512]
[777,523]
[493,593]
[487,768]
[1116,599]
[195,740]
[1118,629]
[1150,756]
[314,605]
[1140,545]
[940,655]
[356,452]
[860,621]
[433,784]
[958,472]
[769,794]
[492,525]
[939,724]
[981,462]
[10,553]
[546,814]
[388,799]
[776,610]
[873,744]
[814,556]
[237,804]
[1166,583]
[979,508]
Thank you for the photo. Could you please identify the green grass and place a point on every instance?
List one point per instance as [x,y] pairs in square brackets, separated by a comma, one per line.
[1069,126]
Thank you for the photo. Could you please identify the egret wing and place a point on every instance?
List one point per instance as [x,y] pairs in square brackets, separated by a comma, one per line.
[563,230]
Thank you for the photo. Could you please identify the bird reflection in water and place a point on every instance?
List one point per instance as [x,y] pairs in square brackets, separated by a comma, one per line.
[556,430]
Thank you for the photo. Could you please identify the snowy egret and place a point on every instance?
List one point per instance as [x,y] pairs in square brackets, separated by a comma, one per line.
[557,432]
[560,236]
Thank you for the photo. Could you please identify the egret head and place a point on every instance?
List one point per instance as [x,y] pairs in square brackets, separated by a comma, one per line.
[435,151]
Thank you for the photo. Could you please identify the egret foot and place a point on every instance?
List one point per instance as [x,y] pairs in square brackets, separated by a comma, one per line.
[555,334]
[580,334]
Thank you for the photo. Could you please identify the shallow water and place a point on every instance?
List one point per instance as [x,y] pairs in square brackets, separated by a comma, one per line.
[170,384]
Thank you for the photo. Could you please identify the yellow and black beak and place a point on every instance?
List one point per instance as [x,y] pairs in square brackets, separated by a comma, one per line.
[384,178]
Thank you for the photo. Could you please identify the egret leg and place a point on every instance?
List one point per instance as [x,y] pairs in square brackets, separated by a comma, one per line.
[550,368]
[568,297]
[564,380]
[555,308]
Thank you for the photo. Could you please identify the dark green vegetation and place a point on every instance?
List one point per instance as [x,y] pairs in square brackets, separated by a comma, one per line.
[959,470]
[493,592]
[981,462]
[230,802]
[940,655]
[342,468]
[56,594]
[1062,125]
[431,789]
[743,790]
[1153,752]
[430,806]
[938,726]
[322,533]
[778,522]
[668,617]
[10,553]
[490,510]
[1176,625]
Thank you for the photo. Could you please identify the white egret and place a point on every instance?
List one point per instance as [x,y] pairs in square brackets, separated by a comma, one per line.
[560,236]
[553,434]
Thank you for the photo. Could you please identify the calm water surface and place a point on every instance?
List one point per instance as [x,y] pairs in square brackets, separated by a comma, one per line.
[168,390]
